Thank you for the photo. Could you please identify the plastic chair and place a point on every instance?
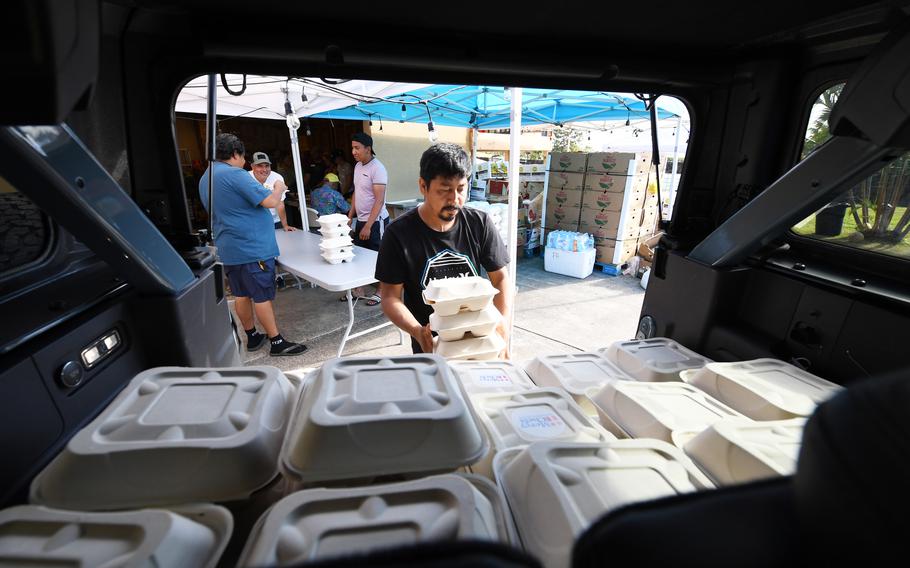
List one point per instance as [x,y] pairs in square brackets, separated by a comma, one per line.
[311,216]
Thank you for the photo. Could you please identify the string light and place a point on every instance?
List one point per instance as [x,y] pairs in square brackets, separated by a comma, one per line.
[404,113]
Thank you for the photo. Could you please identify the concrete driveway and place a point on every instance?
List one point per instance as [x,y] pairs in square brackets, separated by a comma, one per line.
[553,314]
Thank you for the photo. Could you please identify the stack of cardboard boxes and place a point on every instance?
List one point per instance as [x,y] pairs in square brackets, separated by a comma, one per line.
[604,194]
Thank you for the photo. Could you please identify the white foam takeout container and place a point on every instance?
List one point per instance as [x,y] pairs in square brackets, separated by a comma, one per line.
[472,348]
[335,232]
[479,324]
[480,377]
[339,256]
[336,243]
[333,221]
[763,389]
[543,414]
[657,359]
[315,524]
[191,536]
[737,450]
[671,412]
[576,373]
[448,296]
[364,417]
[556,490]
[175,435]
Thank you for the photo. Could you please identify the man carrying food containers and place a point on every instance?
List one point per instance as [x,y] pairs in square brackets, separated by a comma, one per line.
[430,261]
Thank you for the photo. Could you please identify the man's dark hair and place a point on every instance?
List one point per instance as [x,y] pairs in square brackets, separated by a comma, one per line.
[226,145]
[446,160]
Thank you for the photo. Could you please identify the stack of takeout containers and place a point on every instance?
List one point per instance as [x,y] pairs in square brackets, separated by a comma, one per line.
[336,245]
[366,417]
[174,439]
[464,317]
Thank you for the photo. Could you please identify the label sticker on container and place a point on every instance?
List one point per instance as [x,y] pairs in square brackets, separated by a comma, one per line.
[538,421]
[491,377]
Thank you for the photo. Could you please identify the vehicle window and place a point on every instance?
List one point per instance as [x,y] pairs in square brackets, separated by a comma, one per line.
[25,233]
[873,215]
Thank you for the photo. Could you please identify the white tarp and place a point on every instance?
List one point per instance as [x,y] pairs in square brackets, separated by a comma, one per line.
[264,96]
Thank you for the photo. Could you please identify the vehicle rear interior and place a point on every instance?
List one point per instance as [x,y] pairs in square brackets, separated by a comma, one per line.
[730,279]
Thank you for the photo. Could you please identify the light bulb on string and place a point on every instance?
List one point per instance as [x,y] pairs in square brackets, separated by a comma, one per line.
[380,124]
[404,113]
[434,136]
[507,93]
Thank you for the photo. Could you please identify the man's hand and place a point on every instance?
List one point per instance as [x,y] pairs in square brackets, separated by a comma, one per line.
[365,231]
[424,337]
[289,228]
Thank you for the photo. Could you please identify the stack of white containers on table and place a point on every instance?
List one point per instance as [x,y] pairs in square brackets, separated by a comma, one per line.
[135,486]
[464,317]
[498,213]
[337,245]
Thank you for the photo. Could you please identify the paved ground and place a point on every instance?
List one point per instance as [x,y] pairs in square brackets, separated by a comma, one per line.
[554,314]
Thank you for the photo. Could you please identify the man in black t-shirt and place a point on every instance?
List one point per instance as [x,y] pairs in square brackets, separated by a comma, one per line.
[439,239]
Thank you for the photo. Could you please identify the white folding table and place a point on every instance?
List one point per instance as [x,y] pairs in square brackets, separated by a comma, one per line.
[301,256]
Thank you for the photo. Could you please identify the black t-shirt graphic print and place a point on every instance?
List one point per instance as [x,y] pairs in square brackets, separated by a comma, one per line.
[412,254]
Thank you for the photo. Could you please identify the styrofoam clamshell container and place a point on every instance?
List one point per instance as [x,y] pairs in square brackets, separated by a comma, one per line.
[335,232]
[737,450]
[337,257]
[518,419]
[369,416]
[320,523]
[763,389]
[576,373]
[472,348]
[448,296]
[175,435]
[657,359]
[480,377]
[193,536]
[556,490]
[336,243]
[478,324]
[333,221]
[671,412]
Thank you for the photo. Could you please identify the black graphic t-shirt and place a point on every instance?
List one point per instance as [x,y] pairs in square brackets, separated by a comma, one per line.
[413,254]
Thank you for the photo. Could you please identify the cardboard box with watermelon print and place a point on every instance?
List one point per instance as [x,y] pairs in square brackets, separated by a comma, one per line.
[605,182]
[568,162]
[617,163]
[566,180]
[562,218]
[612,251]
[602,200]
[563,197]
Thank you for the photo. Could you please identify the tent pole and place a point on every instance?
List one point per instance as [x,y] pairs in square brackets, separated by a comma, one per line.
[293,124]
[211,132]
[514,165]
[675,162]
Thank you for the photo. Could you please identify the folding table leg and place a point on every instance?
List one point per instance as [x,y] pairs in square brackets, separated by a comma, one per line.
[347,330]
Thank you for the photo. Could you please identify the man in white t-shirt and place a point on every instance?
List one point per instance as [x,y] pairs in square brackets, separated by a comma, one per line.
[368,202]
[262,172]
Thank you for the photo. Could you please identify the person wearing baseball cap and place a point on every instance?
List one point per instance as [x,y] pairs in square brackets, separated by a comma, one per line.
[326,198]
[262,172]
[368,202]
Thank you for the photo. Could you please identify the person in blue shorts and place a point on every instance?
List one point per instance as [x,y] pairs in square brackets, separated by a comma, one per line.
[245,237]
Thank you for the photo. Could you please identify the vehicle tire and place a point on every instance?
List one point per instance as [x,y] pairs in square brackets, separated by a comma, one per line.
[23,231]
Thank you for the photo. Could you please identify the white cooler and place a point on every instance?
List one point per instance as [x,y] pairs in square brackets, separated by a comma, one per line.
[575,264]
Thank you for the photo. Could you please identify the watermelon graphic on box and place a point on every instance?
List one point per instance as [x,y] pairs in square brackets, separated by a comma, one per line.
[608,162]
[559,213]
[605,182]
[604,200]
[561,197]
[602,219]
[565,161]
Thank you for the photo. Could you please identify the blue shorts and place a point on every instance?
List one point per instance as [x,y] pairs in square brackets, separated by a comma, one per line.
[251,281]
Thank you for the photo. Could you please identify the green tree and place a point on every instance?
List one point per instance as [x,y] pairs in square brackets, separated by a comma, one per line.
[819,132]
[568,139]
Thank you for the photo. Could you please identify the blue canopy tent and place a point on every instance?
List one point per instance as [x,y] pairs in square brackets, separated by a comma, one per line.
[488,107]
